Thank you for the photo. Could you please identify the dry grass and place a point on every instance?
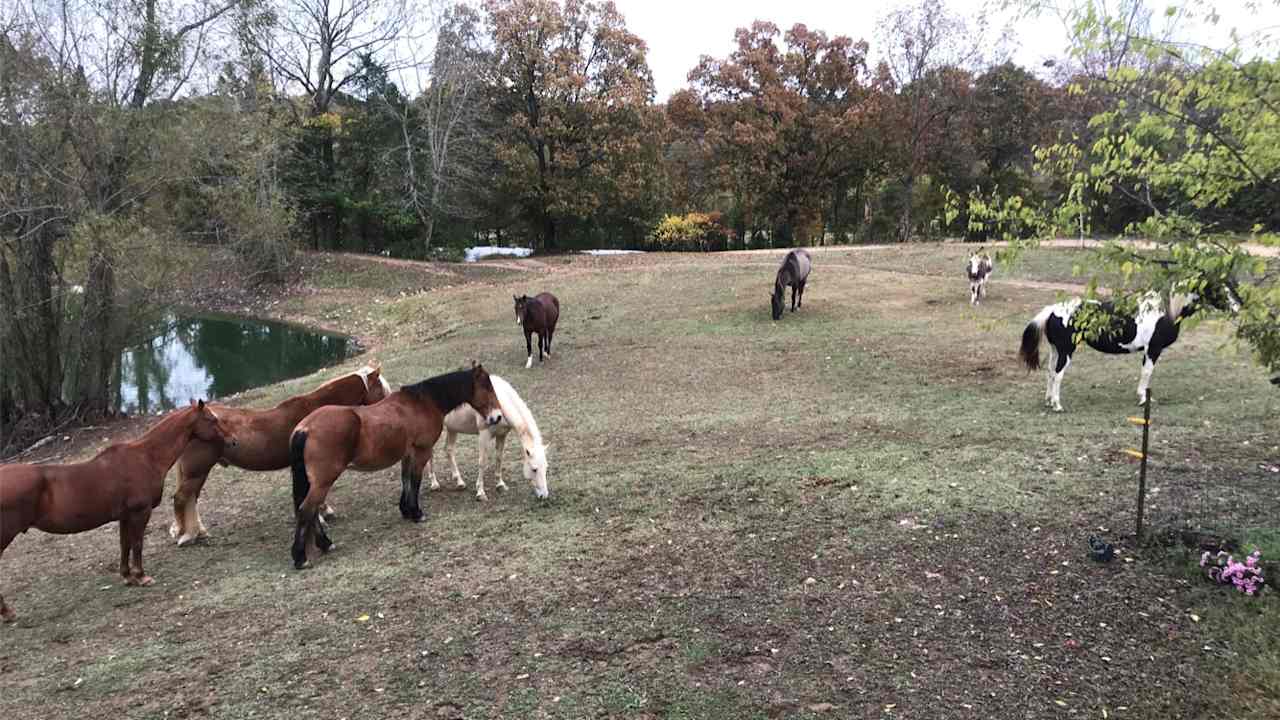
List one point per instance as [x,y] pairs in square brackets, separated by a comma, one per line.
[706,464]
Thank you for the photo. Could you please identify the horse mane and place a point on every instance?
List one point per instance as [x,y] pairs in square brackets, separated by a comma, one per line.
[447,391]
[515,411]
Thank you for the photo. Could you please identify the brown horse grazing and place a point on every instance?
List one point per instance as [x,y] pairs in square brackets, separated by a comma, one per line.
[123,482]
[404,427]
[537,314]
[263,441]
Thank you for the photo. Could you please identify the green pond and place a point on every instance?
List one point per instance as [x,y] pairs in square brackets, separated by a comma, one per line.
[214,356]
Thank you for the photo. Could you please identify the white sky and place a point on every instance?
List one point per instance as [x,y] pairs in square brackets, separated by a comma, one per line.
[677,33]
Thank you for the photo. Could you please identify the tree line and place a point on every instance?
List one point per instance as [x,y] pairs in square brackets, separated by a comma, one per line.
[131,130]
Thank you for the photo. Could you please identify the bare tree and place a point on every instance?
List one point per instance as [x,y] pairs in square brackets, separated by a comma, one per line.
[316,46]
[75,79]
[440,129]
[922,42]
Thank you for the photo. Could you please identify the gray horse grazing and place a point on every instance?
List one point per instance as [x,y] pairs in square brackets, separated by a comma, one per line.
[794,273]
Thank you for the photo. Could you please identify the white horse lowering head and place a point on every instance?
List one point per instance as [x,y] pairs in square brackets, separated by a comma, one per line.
[535,469]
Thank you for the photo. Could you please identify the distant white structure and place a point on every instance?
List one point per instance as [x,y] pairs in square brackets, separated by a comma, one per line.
[483,251]
[612,252]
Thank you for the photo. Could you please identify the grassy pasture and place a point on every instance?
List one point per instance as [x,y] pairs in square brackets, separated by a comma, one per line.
[861,511]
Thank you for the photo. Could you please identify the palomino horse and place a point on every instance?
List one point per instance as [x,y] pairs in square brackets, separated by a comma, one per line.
[123,482]
[403,427]
[978,269]
[537,314]
[262,438]
[515,414]
[794,273]
[1153,329]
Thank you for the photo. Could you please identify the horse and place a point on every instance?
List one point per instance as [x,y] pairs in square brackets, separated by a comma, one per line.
[537,314]
[793,273]
[978,269]
[1154,328]
[403,427]
[263,442]
[123,482]
[515,414]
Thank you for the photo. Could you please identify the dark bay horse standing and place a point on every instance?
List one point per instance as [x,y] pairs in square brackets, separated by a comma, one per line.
[402,428]
[537,314]
[793,273]
[1154,328]
[262,441]
[123,482]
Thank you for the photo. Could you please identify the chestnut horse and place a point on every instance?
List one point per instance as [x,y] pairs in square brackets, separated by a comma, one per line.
[263,441]
[123,482]
[537,314]
[403,427]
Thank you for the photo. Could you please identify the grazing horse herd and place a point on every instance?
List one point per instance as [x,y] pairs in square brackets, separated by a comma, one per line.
[357,421]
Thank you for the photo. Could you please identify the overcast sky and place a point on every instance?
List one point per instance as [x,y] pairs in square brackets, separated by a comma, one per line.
[677,33]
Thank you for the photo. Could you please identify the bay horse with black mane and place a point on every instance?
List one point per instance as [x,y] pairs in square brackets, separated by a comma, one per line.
[538,315]
[124,482]
[794,273]
[262,441]
[402,428]
[1154,328]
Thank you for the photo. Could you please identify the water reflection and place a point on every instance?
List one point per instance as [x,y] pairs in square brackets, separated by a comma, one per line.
[216,356]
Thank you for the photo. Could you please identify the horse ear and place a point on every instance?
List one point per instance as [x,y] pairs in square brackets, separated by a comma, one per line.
[200,404]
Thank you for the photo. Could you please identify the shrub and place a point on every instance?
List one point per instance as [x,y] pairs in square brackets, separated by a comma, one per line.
[695,232]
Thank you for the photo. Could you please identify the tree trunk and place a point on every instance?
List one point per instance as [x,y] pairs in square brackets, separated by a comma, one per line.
[908,198]
[98,349]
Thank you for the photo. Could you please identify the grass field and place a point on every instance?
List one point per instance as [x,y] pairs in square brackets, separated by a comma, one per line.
[861,511]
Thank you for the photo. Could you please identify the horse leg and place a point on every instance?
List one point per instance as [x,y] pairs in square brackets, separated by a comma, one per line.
[406,488]
[126,521]
[450,443]
[9,530]
[481,440]
[193,471]
[418,460]
[1148,366]
[1064,361]
[499,441]
[305,531]
[541,337]
[802,282]
[137,533]
[528,347]
[551,331]
[1050,369]
[431,473]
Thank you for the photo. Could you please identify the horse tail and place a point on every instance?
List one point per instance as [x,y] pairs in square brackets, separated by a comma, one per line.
[1031,336]
[301,486]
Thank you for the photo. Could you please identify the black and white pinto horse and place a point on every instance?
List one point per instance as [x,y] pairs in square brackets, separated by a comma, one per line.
[1153,329]
[794,273]
[978,269]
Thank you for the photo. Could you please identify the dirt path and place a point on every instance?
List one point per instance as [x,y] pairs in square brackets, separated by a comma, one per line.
[1067,243]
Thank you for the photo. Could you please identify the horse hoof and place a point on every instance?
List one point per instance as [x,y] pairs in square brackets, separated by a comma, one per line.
[502,487]
[328,513]
[301,565]
[528,363]
[173,531]
[481,497]
[187,540]
[329,548]
[7,614]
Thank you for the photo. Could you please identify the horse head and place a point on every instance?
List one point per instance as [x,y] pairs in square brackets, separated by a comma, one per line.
[483,397]
[376,386]
[209,427]
[777,301]
[535,469]
[520,302]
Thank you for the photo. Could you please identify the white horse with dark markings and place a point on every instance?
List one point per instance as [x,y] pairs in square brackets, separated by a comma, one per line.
[1154,328]
[515,416]
[978,269]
